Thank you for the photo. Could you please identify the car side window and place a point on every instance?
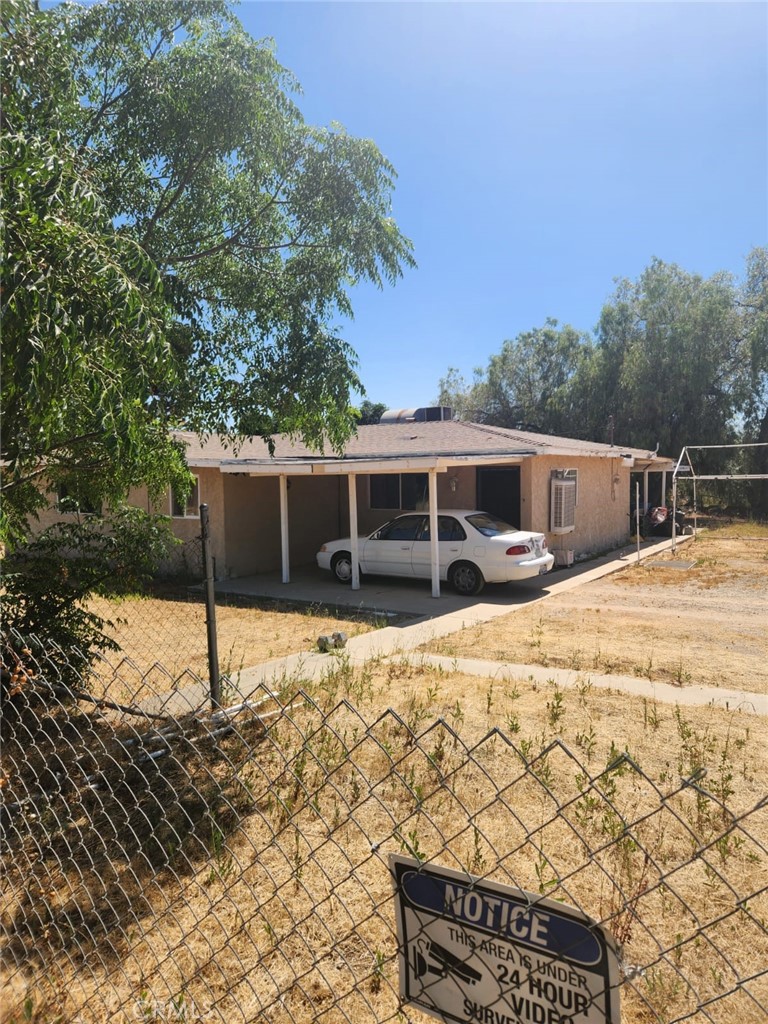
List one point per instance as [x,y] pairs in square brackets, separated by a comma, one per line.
[448,528]
[403,528]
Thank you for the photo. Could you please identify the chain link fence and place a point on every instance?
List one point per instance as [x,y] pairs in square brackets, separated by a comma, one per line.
[233,866]
[161,635]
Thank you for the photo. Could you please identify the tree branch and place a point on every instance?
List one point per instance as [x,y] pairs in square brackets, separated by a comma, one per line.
[107,104]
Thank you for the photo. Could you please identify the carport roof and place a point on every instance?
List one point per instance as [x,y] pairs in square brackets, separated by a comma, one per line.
[396,446]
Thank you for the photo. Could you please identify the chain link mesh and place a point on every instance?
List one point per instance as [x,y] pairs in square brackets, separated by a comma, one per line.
[232,866]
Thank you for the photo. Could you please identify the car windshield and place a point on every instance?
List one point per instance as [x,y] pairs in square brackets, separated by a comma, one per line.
[489,525]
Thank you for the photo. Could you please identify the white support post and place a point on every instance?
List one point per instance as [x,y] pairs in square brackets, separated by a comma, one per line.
[674,514]
[663,500]
[645,489]
[286,558]
[434,546]
[353,531]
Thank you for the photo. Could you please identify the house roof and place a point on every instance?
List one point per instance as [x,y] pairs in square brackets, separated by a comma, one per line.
[395,446]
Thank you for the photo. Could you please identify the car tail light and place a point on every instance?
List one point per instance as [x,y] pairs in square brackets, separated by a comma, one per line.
[519,549]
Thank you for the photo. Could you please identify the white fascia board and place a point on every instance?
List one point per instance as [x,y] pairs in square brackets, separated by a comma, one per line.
[395,465]
[342,467]
[271,468]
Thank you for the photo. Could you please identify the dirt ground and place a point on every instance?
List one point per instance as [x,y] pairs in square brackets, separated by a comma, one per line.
[163,638]
[291,911]
[659,620]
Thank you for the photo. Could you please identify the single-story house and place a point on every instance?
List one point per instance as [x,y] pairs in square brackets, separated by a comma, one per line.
[274,512]
[270,513]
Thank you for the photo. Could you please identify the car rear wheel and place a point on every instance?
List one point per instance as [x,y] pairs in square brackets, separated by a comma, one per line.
[341,567]
[466,579]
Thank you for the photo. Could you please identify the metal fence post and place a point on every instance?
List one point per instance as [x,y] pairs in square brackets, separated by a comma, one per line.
[210,610]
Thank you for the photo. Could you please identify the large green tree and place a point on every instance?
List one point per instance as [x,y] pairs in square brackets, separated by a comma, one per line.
[676,359]
[670,361]
[181,243]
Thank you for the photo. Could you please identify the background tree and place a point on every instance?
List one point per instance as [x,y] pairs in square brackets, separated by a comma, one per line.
[670,360]
[371,412]
[676,359]
[527,384]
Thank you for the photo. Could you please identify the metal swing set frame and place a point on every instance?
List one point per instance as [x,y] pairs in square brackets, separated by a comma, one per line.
[684,469]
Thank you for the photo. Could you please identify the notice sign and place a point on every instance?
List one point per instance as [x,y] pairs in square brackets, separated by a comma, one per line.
[472,950]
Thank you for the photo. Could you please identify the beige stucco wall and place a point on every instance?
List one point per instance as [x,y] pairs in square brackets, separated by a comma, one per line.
[602,520]
[187,557]
[252,523]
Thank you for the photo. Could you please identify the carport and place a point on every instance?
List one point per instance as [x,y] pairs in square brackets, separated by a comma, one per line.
[351,469]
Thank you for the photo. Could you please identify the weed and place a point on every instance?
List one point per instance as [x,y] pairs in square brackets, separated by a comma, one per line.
[681,675]
[537,640]
[477,859]
[223,861]
[555,708]
[576,659]
[545,873]
[410,844]
[513,723]
[584,690]
[489,699]
[587,741]
[378,975]
[650,715]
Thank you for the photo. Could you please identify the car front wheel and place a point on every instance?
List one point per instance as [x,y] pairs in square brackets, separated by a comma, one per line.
[466,579]
[341,567]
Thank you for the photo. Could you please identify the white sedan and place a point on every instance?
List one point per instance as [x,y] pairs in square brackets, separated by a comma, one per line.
[475,548]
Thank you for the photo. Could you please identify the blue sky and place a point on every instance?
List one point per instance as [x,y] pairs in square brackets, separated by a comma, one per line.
[543,150]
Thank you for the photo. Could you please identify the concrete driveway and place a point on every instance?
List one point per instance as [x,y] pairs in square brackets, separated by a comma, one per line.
[391,597]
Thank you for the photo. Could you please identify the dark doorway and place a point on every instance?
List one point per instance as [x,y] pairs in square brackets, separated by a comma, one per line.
[498,492]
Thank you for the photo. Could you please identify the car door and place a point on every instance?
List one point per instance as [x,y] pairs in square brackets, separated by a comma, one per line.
[388,551]
[450,539]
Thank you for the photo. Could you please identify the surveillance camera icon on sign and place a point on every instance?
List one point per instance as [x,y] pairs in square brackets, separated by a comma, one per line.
[430,958]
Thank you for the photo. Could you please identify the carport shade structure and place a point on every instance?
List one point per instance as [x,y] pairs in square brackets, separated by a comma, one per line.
[283,468]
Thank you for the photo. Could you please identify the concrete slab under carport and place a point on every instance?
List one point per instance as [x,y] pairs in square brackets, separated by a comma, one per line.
[412,599]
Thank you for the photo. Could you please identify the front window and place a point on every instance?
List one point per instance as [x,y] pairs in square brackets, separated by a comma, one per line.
[402,528]
[398,490]
[186,508]
[70,499]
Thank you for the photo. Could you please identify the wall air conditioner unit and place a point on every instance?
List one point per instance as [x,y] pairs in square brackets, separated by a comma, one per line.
[562,506]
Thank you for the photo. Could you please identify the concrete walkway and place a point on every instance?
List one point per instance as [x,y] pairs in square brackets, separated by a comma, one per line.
[435,618]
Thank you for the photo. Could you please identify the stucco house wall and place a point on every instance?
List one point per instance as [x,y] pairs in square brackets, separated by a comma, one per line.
[602,520]
[252,521]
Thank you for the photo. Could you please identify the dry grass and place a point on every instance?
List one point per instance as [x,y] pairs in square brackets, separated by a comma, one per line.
[707,624]
[244,878]
[163,639]
[270,898]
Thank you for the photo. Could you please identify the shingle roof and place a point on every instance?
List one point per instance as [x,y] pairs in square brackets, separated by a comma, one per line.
[409,440]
